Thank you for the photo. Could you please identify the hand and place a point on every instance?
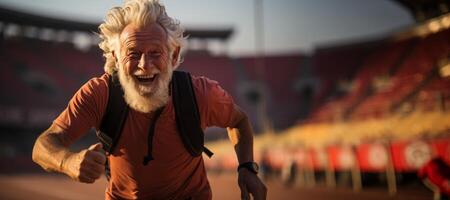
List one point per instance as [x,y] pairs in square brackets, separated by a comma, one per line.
[249,183]
[87,165]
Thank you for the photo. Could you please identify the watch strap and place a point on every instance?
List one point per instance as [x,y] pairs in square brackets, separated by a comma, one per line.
[249,166]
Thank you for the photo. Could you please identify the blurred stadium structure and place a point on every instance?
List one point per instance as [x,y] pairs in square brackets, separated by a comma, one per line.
[357,113]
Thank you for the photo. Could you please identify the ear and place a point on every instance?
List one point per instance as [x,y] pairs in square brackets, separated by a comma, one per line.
[175,55]
[113,54]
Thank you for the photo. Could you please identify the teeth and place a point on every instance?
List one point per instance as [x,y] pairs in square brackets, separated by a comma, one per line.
[146,76]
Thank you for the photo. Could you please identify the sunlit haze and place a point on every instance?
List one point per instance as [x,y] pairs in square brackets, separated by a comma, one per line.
[289,25]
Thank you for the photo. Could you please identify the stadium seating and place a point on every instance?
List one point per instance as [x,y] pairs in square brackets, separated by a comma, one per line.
[396,107]
[434,94]
[378,63]
[43,74]
[381,76]
[408,78]
[406,63]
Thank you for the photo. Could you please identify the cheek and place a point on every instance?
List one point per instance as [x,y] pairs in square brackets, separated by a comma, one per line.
[128,66]
[163,62]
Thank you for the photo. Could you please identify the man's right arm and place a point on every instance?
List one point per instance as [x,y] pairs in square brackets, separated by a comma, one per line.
[84,111]
[51,152]
[50,149]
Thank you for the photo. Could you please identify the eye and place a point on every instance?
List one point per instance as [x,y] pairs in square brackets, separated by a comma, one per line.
[134,55]
[155,53]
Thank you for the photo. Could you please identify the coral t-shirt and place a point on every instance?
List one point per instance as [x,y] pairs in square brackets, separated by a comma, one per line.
[174,173]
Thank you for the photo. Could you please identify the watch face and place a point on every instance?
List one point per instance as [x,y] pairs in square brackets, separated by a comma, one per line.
[255,167]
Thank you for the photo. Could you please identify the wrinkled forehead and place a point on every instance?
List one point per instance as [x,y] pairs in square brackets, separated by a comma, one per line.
[150,32]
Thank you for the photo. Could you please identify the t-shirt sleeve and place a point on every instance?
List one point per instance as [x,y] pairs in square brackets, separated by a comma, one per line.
[216,106]
[85,109]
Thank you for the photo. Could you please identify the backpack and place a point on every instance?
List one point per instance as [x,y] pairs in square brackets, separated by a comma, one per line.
[186,114]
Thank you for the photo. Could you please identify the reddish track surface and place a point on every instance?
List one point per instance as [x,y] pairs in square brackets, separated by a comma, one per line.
[224,186]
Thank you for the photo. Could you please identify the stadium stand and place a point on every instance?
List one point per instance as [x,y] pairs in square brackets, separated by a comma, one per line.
[409,77]
[379,63]
[385,115]
[381,105]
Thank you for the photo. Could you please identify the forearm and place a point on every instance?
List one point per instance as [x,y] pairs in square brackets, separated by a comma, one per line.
[50,150]
[241,136]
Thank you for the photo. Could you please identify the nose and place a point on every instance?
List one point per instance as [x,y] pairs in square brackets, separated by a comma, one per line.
[145,63]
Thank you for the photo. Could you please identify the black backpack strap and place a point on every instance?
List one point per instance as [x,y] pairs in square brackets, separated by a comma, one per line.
[115,116]
[151,133]
[187,114]
[113,120]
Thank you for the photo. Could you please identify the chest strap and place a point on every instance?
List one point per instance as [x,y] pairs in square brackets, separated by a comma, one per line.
[151,133]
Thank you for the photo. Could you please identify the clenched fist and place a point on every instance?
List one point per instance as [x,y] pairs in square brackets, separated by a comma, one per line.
[87,165]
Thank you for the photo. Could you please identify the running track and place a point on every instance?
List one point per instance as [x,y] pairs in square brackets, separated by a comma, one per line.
[224,186]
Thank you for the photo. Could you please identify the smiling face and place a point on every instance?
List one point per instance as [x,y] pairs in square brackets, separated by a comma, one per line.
[144,66]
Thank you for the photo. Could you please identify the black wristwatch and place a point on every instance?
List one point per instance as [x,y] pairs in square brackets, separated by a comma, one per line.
[251,166]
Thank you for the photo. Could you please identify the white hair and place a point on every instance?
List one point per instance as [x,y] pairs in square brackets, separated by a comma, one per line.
[140,13]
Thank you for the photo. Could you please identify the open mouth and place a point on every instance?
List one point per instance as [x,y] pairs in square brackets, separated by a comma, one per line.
[146,78]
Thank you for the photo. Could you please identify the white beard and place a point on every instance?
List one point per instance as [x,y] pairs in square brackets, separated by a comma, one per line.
[146,98]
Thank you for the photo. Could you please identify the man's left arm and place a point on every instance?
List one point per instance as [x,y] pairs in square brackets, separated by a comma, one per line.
[241,136]
[219,109]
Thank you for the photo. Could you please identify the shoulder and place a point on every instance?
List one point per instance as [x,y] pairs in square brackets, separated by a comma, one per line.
[210,89]
[96,83]
[94,92]
[203,84]
[96,86]
[86,107]
[216,105]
